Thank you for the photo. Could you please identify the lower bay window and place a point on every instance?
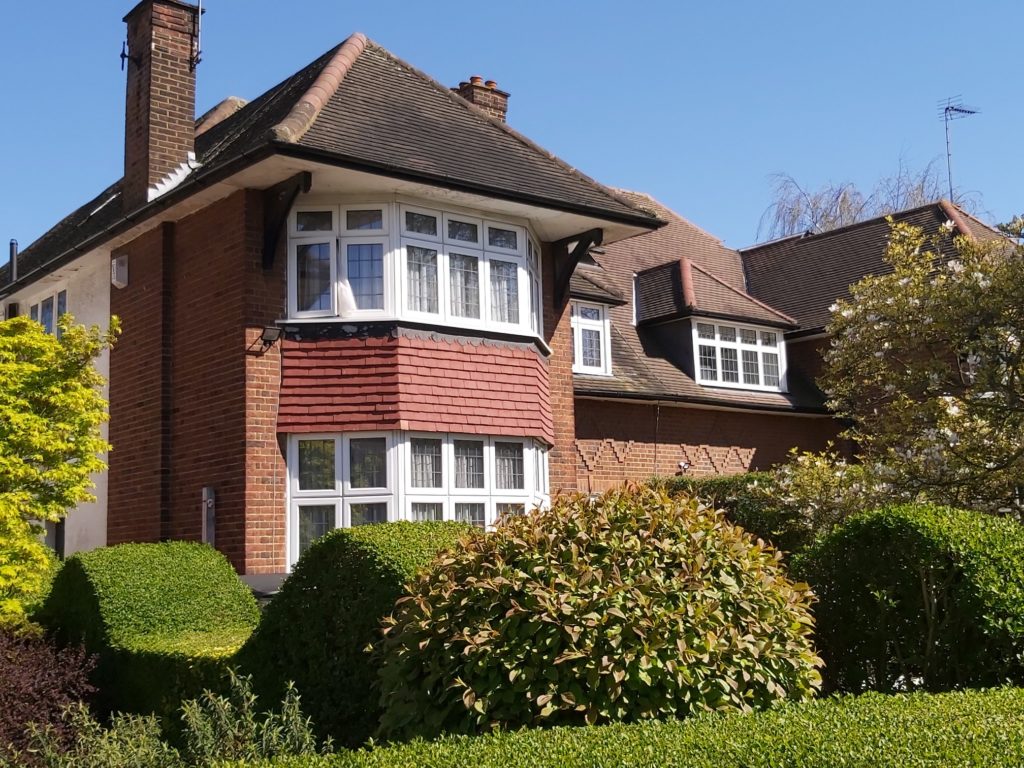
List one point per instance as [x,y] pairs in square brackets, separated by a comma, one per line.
[730,355]
[339,481]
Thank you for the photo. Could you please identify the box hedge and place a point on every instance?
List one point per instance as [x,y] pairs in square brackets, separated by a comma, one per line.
[919,596]
[316,630]
[165,620]
[975,728]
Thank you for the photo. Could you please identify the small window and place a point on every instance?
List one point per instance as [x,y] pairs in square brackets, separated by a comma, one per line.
[734,356]
[474,513]
[368,466]
[469,463]
[316,471]
[424,511]
[464,277]
[314,221]
[368,513]
[314,277]
[508,466]
[315,520]
[364,270]
[364,220]
[505,239]
[421,275]
[420,223]
[504,291]
[506,509]
[461,231]
[590,338]
[426,463]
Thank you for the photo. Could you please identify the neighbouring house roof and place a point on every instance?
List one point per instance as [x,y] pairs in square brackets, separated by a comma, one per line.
[804,275]
[589,282]
[360,106]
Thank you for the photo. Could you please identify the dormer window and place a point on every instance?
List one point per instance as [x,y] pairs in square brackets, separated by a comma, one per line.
[739,356]
[591,339]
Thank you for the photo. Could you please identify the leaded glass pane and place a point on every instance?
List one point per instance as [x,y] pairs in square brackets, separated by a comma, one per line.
[503,508]
[751,374]
[504,291]
[589,313]
[368,462]
[314,221]
[316,465]
[591,347]
[421,223]
[426,462]
[748,335]
[705,331]
[365,514]
[33,312]
[366,274]
[473,513]
[423,511]
[422,273]
[469,464]
[730,366]
[464,231]
[62,309]
[313,268]
[771,369]
[372,219]
[508,465]
[315,520]
[708,363]
[769,338]
[726,333]
[46,314]
[464,275]
[503,238]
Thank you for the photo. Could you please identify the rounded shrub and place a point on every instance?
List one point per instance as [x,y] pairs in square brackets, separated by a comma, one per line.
[919,596]
[165,620]
[316,630]
[626,607]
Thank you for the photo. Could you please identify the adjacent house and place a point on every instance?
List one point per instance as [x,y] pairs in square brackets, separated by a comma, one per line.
[362,296]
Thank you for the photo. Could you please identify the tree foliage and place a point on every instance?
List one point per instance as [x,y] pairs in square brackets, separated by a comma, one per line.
[928,363]
[51,409]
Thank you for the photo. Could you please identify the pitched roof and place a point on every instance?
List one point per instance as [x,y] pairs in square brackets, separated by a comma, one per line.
[589,282]
[803,275]
[358,105]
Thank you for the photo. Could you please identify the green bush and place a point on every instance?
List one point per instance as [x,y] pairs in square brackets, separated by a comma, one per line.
[316,630]
[919,597]
[974,728]
[165,620]
[628,607]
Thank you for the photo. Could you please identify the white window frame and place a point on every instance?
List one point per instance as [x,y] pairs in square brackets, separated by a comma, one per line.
[37,302]
[443,308]
[293,221]
[483,287]
[385,213]
[476,246]
[602,326]
[410,235]
[342,276]
[740,347]
[293,274]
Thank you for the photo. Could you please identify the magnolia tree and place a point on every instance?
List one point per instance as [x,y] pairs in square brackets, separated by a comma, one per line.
[51,410]
[927,364]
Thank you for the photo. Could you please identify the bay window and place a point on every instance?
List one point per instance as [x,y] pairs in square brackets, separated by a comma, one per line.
[432,266]
[742,357]
[356,479]
[591,338]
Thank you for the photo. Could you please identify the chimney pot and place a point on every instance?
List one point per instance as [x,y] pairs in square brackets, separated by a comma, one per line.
[491,84]
[476,79]
[485,95]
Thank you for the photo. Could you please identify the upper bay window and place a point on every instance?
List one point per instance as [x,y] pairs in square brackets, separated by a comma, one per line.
[391,260]
[48,309]
[591,338]
[740,356]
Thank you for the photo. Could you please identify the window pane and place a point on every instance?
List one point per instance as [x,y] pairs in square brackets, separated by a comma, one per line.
[33,312]
[504,291]
[364,514]
[508,465]
[708,363]
[469,464]
[423,223]
[368,219]
[314,521]
[730,365]
[769,338]
[705,331]
[62,308]
[423,511]
[726,333]
[465,285]
[771,369]
[748,336]
[464,231]
[503,238]
[366,274]
[422,269]
[589,313]
[46,314]
[426,463]
[510,509]
[368,462]
[313,267]
[591,347]
[473,513]
[314,221]
[316,465]
[750,370]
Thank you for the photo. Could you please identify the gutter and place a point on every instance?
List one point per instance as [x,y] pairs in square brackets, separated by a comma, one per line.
[700,402]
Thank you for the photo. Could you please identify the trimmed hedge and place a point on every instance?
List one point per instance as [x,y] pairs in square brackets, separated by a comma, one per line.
[165,620]
[316,630]
[747,501]
[918,596]
[975,728]
[631,606]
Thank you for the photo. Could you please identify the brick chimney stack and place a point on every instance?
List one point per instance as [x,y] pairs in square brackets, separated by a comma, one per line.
[159,131]
[485,95]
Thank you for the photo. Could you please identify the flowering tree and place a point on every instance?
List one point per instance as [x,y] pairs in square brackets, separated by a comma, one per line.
[50,443]
[928,364]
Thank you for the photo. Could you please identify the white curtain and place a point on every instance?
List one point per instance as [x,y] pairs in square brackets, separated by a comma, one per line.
[504,291]
[465,285]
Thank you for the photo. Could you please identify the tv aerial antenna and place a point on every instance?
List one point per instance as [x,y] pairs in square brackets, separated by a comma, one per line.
[952,108]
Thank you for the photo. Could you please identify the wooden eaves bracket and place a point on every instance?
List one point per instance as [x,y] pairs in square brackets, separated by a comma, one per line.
[566,260]
[277,203]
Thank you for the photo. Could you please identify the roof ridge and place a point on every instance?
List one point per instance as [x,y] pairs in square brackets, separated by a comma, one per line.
[219,112]
[744,294]
[503,126]
[308,106]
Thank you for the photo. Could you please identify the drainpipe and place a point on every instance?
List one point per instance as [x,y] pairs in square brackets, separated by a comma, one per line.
[14,260]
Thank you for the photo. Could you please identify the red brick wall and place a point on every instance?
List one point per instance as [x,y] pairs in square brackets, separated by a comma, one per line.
[415,381]
[558,334]
[160,96]
[616,442]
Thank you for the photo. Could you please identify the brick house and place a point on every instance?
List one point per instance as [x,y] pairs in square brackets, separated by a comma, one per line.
[362,296]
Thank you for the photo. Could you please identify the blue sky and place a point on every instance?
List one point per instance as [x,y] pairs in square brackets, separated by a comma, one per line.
[697,105]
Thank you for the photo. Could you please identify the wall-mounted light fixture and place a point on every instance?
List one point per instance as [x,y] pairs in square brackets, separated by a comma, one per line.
[270,336]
